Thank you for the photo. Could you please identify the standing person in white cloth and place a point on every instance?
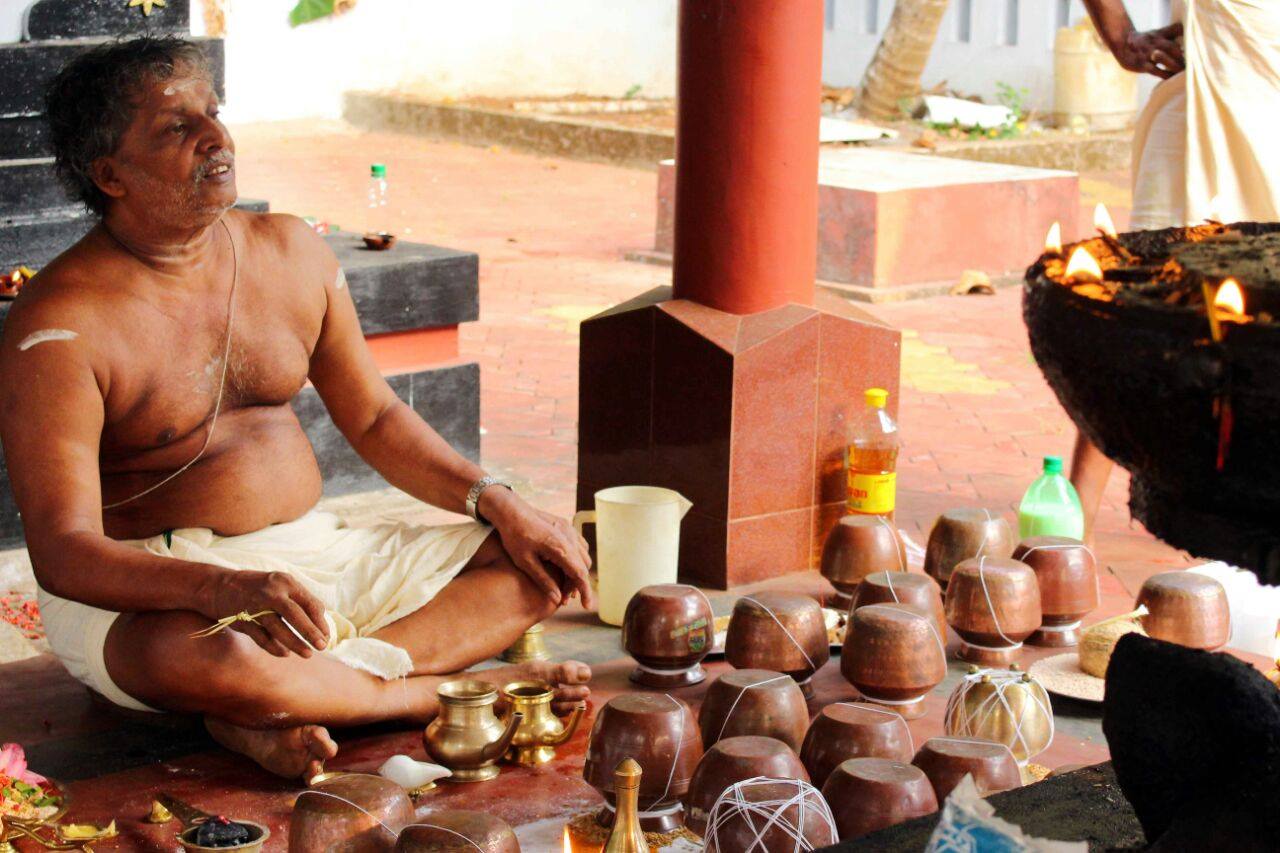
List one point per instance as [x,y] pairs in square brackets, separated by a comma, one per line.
[1204,146]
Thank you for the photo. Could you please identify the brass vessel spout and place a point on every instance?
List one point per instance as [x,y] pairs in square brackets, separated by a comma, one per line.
[541,731]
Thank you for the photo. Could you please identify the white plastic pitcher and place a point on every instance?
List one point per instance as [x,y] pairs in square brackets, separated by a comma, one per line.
[637,542]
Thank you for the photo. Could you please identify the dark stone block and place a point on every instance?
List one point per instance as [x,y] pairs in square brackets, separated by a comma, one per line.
[1195,739]
[448,398]
[23,137]
[29,187]
[57,19]
[27,68]
[410,285]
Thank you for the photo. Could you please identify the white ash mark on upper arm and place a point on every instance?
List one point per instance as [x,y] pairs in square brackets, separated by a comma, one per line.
[46,335]
[341,280]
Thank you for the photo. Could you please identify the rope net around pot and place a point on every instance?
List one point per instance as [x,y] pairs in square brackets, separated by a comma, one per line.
[766,815]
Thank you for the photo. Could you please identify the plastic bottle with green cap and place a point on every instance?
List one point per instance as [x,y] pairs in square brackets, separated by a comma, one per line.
[871,458]
[1051,506]
[377,217]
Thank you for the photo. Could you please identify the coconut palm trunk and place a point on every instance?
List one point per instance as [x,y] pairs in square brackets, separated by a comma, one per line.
[895,70]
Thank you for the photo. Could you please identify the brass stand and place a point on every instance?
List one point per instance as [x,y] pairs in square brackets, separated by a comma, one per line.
[530,646]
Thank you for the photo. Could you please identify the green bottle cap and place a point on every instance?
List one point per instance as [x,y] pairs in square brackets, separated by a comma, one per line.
[378,170]
[1053,464]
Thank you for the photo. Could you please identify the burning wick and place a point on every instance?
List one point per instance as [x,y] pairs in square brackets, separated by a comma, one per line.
[1230,299]
[568,845]
[1102,220]
[1081,267]
[1053,240]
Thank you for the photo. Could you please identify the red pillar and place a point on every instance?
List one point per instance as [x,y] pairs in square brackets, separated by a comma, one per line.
[747,153]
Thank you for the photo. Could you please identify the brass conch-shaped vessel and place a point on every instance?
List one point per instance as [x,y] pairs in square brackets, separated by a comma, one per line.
[541,731]
[468,737]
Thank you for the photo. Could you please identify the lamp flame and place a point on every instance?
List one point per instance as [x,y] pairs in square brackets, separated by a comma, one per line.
[568,846]
[1081,266]
[1230,298]
[1053,240]
[1102,220]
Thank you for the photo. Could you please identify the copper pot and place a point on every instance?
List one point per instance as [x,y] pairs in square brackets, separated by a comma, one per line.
[960,534]
[659,732]
[733,760]
[857,546]
[915,589]
[1187,609]
[355,812]
[458,832]
[866,794]
[781,632]
[847,730]
[1067,575]
[993,604]
[748,820]
[753,702]
[945,760]
[893,656]
[668,628]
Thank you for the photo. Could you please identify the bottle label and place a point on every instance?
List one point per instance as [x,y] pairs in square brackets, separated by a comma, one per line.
[872,493]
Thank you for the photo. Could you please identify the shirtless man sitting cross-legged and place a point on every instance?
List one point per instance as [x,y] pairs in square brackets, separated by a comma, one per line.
[165,483]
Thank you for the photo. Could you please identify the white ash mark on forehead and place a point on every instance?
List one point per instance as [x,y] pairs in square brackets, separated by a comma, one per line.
[46,335]
[180,86]
[341,281]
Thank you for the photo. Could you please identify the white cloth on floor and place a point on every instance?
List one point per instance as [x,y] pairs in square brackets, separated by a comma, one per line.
[366,577]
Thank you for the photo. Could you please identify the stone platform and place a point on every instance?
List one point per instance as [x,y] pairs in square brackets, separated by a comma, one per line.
[889,219]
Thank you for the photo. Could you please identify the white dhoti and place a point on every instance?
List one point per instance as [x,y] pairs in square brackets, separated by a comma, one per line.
[1204,146]
[366,577]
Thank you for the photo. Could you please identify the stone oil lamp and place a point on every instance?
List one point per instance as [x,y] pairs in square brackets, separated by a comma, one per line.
[960,534]
[781,632]
[857,546]
[993,604]
[946,760]
[1067,575]
[867,794]
[754,702]
[453,831]
[355,811]
[1003,706]
[659,732]
[733,760]
[920,591]
[1186,608]
[845,730]
[894,656]
[668,629]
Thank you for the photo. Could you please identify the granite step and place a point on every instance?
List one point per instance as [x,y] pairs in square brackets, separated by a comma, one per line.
[29,188]
[24,137]
[64,19]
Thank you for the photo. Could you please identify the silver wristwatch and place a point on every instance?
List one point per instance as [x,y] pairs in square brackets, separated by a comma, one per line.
[473,495]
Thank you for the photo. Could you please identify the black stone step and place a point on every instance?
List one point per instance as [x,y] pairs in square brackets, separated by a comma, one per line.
[29,187]
[34,240]
[23,137]
[26,68]
[55,19]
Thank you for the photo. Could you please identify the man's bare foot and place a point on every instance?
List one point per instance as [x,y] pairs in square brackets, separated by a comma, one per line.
[569,679]
[299,752]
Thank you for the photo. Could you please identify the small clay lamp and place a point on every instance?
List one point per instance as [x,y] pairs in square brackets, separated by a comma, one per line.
[781,632]
[1067,575]
[355,811]
[945,760]
[753,702]
[759,815]
[993,604]
[660,733]
[1186,608]
[668,629]
[866,794]
[911,588]
[960,534]
[893,656]
[458,832]
[732,760]
[857,546]
[846,730]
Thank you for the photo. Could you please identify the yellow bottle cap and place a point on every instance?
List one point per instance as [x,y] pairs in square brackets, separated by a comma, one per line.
[877,397]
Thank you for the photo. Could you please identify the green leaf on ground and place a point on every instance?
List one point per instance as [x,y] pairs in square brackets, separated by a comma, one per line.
[309,10]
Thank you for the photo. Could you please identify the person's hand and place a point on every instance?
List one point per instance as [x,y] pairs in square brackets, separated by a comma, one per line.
[1152,52]
[253,592]
[535,540]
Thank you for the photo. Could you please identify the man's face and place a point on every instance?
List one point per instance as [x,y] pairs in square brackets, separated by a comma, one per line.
[176,160]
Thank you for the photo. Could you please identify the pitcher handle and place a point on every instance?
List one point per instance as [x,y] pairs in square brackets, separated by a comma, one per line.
[582,519]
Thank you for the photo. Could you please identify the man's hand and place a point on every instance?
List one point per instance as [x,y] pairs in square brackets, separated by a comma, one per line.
[253,592]
[1152,52]
[534,539]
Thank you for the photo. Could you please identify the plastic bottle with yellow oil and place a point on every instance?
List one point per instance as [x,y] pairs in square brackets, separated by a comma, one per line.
[871,457]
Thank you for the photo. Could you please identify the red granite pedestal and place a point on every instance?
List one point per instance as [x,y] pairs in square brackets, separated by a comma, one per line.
[744,415]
